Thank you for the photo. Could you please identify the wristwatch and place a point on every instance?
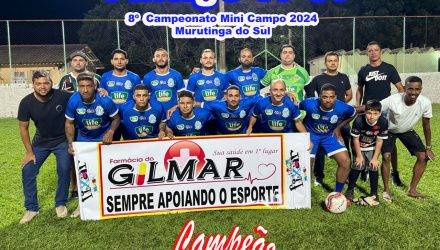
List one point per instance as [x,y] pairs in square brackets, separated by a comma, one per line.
[429,147]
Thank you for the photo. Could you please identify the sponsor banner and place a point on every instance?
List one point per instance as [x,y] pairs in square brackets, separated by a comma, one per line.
[149,177]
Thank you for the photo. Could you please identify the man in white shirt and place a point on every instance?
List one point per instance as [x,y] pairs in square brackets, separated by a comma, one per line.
[403,111]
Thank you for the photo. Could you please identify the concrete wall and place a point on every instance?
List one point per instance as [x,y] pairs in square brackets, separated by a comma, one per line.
[11,95]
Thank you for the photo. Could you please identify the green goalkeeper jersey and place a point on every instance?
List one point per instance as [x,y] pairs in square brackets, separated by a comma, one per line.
[295,78]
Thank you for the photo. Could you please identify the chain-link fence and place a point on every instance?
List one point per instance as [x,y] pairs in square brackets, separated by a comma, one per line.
[409,43]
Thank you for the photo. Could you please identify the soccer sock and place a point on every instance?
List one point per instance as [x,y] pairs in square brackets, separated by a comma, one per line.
[352,178]
[374,178]
[339,187]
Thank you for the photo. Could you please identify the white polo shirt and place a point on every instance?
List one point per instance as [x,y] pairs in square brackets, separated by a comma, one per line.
[403,118]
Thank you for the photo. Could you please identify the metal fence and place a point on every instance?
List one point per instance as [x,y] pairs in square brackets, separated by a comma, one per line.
[409,40]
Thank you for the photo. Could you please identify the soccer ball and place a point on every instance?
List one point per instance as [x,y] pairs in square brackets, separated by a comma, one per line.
[336,202]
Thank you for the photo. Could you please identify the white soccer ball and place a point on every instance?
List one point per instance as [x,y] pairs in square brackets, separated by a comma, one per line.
[336,202]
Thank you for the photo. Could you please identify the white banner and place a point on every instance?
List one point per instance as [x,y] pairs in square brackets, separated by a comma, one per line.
[146,177]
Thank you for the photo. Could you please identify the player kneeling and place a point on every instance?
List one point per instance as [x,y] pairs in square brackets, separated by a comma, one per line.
[140,119]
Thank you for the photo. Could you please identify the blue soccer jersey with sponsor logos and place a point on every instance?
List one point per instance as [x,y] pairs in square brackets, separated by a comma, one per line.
[191,126]
[207,87]
[141,124]
[120,88]
[93,119]
[164,88]
[247,81]
[232,121]
[318,121]
[276,118]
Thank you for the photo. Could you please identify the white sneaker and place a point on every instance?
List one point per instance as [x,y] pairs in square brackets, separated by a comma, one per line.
[28,216]
[75,213]
[387,197]
[317,183]
[61,211]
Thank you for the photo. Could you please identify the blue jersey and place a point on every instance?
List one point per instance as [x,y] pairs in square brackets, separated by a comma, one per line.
[276,118]
[191,126]
[94,119]
[232,121]
[318,121]
[248,82]
[120,88]
[207,88]
[141,124]
[164,88]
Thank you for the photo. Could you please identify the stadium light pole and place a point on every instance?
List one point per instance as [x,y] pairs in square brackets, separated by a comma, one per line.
[222,44]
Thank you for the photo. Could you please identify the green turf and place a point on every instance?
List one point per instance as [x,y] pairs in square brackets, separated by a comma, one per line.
[406,223]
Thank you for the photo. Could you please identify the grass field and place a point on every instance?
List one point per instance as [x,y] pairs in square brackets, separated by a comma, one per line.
[406,223]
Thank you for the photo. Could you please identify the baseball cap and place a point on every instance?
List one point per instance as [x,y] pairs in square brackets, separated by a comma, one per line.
[78,53]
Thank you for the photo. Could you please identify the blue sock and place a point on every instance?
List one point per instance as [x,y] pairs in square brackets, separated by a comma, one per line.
[339,187]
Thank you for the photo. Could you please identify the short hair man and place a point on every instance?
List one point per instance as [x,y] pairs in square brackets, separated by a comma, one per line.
[46,107]
[343,93]
[246,76]
[325,117]
[187,120]
[142,120]
[97,116]
[232,114]
[294,76]
[163,82]
[208,84]
[368,131]
[78,63]
[119,83]
[276,112]
[403,111]
[374,80]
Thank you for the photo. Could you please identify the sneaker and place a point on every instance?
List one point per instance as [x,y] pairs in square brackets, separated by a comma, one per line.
[396,179]
[318,182]
[376,197]
[75,213]
[387,197]
[28,216]
[73,195]
[349,194]
[61,211]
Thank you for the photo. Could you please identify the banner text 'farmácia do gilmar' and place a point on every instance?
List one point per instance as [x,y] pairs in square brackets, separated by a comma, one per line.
[135,178]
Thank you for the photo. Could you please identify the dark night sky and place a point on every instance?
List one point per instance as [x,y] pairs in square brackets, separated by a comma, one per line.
[45,9]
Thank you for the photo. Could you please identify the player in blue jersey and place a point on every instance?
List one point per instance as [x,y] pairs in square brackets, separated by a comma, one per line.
[96,116]
[324,119]
[163,82]
[276,111]
[246,77]
[187,120]
[232,115]
[142,120]
[208,84]
[119,83]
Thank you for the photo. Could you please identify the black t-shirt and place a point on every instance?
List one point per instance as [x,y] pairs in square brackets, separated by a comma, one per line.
[377,80]
[340,81]
[49,117]
[368,133]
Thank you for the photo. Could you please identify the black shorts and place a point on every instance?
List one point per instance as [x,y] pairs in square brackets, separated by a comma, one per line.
[410,139]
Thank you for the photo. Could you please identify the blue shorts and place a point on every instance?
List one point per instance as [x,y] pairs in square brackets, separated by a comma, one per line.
[330,144]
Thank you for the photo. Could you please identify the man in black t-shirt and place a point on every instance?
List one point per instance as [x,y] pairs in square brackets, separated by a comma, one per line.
[374,80]
[343,93]
[45,107]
